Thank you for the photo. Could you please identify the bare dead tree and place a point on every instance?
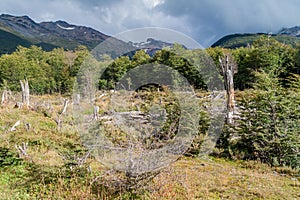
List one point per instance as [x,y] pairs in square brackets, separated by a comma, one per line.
[22,149]
[62,112]
[59,123]
[64,109]
[96,111]
[4,98]
[76,160]
[144,150]
[13,128]
[25,92]
[27,126]
[76,99]
[229,68]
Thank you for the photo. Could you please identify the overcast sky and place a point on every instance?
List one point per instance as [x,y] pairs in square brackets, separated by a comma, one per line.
[203,20]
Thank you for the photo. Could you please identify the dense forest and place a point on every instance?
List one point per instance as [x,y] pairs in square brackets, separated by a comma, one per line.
[266,82]
[54,71]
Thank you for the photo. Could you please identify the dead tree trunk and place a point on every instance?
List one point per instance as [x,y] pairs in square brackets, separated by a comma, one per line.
[76,98]
[96,111]
[25,92]
[22,149]
[64,109]
[227,67]
[4,98]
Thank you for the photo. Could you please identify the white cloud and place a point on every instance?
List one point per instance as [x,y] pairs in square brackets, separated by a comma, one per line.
[136,15]
[153,3]
[47,16]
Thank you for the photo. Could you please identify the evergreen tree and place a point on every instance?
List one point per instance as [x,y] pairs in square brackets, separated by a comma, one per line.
[268,127]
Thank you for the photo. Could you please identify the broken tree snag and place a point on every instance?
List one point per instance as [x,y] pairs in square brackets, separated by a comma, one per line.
[64,109]
[229,68]
[19,105]
[59,123]
[76,99]
[96,111]
[4,98]
[27,126]
[25,92]
[22,149]
[14,127]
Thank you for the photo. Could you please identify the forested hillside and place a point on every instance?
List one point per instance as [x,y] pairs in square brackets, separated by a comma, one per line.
[243,40]
[22,30]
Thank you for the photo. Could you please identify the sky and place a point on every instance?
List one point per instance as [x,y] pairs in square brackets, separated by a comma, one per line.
[205,21]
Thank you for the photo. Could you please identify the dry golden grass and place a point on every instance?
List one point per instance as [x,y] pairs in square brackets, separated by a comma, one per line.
[193,178]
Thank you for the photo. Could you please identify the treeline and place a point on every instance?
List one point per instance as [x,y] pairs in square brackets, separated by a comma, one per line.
[55,71]
[175,58]
[265,54]
[46,72]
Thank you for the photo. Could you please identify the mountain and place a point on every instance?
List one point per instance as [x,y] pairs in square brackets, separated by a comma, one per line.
[73,34]
[21,30]
[151,45]
[9,42]
[286,35]
[293,31]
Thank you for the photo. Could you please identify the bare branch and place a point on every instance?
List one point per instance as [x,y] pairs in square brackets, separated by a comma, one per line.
[13,128]
[22,149]
[4,98]
[64,109]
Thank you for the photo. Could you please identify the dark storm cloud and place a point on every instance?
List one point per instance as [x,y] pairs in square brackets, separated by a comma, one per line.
[212,19]
[90,4]
[204,20]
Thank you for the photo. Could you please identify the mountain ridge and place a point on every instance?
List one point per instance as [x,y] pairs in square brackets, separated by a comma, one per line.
[289,36]
[292,31]
[49,35]
[57,34]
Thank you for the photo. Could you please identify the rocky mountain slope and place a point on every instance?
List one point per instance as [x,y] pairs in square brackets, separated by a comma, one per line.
[22,30]
[51,34]
[293,31]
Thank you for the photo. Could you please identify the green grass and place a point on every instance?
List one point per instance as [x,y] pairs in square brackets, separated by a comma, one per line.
[222,179]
